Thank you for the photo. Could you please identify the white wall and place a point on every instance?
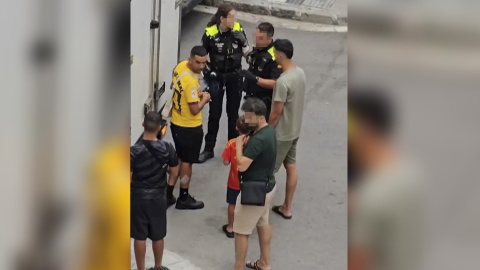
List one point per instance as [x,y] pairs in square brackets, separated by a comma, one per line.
[141,15]
[168,45]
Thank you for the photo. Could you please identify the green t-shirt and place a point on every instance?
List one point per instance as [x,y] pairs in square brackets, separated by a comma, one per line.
[290,90]
[262,149]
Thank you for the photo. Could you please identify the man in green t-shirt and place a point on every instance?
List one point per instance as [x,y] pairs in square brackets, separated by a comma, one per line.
[286,118]
[255,162]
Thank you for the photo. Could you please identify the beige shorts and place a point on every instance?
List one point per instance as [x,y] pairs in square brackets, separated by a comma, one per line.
[247,217]
[286,153]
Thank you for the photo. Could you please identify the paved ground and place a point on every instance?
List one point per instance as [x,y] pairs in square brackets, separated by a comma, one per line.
[316,237]
[318,11]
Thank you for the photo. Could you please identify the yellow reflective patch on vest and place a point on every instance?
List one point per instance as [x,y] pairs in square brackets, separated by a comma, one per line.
[211,31]
[270,51]
[237,27]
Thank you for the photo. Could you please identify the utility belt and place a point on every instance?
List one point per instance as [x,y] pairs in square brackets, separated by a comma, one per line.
[224,75]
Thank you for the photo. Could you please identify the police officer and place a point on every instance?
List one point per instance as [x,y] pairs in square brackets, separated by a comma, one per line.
[263,70]
[226,43]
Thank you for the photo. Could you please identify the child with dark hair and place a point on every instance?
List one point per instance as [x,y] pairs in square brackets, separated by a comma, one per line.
[233,186]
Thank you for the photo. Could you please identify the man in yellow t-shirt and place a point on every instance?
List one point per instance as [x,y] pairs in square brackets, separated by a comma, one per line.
[186,126]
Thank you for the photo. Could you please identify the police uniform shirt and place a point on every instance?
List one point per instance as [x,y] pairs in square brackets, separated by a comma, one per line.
[218,44]
[262,64]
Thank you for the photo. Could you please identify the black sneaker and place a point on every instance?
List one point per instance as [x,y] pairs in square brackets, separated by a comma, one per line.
[171,200]
[205,155]
[189,204]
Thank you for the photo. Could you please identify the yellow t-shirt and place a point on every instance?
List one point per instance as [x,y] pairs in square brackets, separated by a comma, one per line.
[187,91]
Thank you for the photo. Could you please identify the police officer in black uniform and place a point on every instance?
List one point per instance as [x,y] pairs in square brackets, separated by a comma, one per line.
[263,70]
[226,43]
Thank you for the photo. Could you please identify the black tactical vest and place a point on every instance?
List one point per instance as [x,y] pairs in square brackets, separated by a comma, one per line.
[226,53]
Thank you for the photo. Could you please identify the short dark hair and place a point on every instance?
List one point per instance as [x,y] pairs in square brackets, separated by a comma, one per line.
[242,127]
[256,106]
[373,107]
[266,27]
[285,46]
[198,50]
[152,121]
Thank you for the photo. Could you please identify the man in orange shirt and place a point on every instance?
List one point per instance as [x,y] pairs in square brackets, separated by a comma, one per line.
[233,186]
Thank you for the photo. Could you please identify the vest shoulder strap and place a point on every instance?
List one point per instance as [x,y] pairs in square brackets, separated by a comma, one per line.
[211,31]
[237,27]
[270,51]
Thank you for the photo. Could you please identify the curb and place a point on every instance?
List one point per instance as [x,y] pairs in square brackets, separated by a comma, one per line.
[280,12]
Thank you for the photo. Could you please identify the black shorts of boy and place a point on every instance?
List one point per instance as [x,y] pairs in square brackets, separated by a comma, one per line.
[232,195]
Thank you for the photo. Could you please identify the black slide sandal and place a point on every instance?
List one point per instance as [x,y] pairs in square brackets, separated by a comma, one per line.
[276,209]
[227,233]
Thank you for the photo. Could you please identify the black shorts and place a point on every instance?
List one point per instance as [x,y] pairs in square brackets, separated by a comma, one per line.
[232,195]
[148,218]
[188,142]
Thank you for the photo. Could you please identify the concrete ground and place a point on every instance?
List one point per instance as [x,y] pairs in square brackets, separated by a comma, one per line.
[316,237]
[317,11]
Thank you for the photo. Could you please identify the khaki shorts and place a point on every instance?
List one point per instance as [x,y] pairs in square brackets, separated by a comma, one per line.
[286,153]
[247,217]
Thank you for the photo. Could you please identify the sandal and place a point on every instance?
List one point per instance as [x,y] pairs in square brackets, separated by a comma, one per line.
[276,209]
[227,233]
[254,265]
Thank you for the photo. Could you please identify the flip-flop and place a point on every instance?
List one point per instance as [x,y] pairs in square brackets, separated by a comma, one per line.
[276,209]
[254,265]
[227,233]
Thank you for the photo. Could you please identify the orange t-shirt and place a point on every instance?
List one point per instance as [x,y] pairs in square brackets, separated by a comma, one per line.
[229,154]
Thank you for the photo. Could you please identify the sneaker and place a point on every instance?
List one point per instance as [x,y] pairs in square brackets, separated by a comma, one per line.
[171,200]
[189,204]
[205,155]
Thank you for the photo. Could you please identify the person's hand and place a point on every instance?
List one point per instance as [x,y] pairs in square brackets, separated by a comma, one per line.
[205,96]
[250,57]
[248,75]
[240,140]
[240,37]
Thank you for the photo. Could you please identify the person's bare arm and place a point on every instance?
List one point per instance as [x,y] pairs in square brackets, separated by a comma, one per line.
[197,107]
[242,162]
[266,83]
[276,113]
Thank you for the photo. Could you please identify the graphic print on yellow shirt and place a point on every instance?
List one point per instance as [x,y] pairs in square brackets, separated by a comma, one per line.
[187,91]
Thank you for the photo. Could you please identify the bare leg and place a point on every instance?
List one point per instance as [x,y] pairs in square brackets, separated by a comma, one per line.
[264,237]
[158,252]
[241,247]
[231,214]
[172,181]
[291,185]
[140,249]
[185,174]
